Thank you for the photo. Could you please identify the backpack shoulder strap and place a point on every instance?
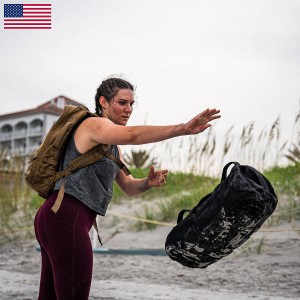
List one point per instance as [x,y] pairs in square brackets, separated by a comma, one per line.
[119,163]
[91,156]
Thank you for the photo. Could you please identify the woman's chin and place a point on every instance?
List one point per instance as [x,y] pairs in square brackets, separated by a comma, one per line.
[123,122]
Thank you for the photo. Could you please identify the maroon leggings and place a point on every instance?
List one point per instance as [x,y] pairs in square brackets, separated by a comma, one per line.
[67,258]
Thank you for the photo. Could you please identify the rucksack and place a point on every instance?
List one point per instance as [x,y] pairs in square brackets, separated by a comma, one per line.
[224,219]
[43,167]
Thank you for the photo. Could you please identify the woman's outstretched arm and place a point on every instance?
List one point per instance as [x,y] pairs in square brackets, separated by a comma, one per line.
[94,131]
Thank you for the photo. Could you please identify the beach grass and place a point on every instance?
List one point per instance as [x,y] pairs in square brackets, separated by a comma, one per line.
[189,182]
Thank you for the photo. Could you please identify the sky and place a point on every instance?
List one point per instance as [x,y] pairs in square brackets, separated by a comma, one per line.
[183,56]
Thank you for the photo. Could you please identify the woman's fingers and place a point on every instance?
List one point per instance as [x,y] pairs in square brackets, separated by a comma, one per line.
[201,122]
[211,112]
[208,115]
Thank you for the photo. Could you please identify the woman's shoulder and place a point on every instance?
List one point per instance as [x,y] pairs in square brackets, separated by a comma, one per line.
[94,124]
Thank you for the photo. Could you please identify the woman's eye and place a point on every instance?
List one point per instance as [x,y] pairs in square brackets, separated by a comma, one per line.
[124,103]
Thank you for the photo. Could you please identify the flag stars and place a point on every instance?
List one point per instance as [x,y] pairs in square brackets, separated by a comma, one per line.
[13,10]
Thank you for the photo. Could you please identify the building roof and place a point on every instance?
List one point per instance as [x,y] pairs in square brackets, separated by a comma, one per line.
[53,106]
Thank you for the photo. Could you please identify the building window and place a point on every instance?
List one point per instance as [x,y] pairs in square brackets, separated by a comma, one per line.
[36,127]
[6,132]
[20,129]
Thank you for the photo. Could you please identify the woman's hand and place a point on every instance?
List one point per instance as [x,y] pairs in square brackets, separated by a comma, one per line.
[200,122]
[156,178]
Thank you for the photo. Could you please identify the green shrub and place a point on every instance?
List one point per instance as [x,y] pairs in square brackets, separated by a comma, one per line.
[285,180]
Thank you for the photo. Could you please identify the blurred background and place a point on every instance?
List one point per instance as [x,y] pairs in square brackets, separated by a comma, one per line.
[183,56]
[242,57]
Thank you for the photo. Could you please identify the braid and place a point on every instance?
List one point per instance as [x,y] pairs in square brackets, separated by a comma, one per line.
[109,89]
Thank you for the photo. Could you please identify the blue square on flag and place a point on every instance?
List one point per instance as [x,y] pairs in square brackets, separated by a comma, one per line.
[13,10]
[27,16]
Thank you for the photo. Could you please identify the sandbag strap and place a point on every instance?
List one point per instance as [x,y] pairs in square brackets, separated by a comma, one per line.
[258,175]
[224,173]
[180,215]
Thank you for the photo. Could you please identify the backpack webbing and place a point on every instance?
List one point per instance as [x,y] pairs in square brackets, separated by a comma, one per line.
[91,156]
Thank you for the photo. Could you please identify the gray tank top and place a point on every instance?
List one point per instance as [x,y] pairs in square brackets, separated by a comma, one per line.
[93,184]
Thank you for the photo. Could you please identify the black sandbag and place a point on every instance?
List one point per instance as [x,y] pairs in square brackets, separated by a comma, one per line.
[224,219]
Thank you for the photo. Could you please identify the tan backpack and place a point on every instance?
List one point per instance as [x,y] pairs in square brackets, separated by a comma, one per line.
[42,171]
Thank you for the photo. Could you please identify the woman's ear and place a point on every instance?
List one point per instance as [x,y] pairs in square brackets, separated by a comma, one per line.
[103,102]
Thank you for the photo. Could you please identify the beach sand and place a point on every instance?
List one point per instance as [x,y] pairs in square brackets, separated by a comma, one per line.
[245,274]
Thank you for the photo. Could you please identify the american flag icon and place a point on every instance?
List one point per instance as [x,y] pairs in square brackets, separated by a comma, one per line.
[27,16]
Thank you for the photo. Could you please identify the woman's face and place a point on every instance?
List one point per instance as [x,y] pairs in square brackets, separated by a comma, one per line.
[119,109]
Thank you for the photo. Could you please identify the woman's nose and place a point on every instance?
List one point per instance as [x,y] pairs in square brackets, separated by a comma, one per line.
[128,107]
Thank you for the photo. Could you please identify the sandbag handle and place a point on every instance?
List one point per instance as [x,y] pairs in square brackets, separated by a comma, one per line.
[224,173]
[255,172]
[180,215]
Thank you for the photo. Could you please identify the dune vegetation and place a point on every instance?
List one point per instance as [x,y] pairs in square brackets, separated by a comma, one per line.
[278,160]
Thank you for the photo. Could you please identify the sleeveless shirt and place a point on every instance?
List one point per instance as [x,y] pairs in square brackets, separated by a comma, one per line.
[93,184]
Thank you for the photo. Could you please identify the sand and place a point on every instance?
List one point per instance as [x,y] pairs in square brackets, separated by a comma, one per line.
[274,273]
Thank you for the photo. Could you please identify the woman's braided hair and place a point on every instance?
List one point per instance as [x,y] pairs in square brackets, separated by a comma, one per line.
[109,89]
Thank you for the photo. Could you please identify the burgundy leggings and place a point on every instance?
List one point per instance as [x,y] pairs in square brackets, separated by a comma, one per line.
[67,258]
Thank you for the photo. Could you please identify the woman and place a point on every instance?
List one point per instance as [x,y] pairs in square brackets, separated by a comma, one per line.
[66,250]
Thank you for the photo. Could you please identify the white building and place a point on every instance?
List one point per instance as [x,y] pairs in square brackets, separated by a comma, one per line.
[22,132]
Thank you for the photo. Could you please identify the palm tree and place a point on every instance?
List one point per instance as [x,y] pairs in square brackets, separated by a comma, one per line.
[139,159]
